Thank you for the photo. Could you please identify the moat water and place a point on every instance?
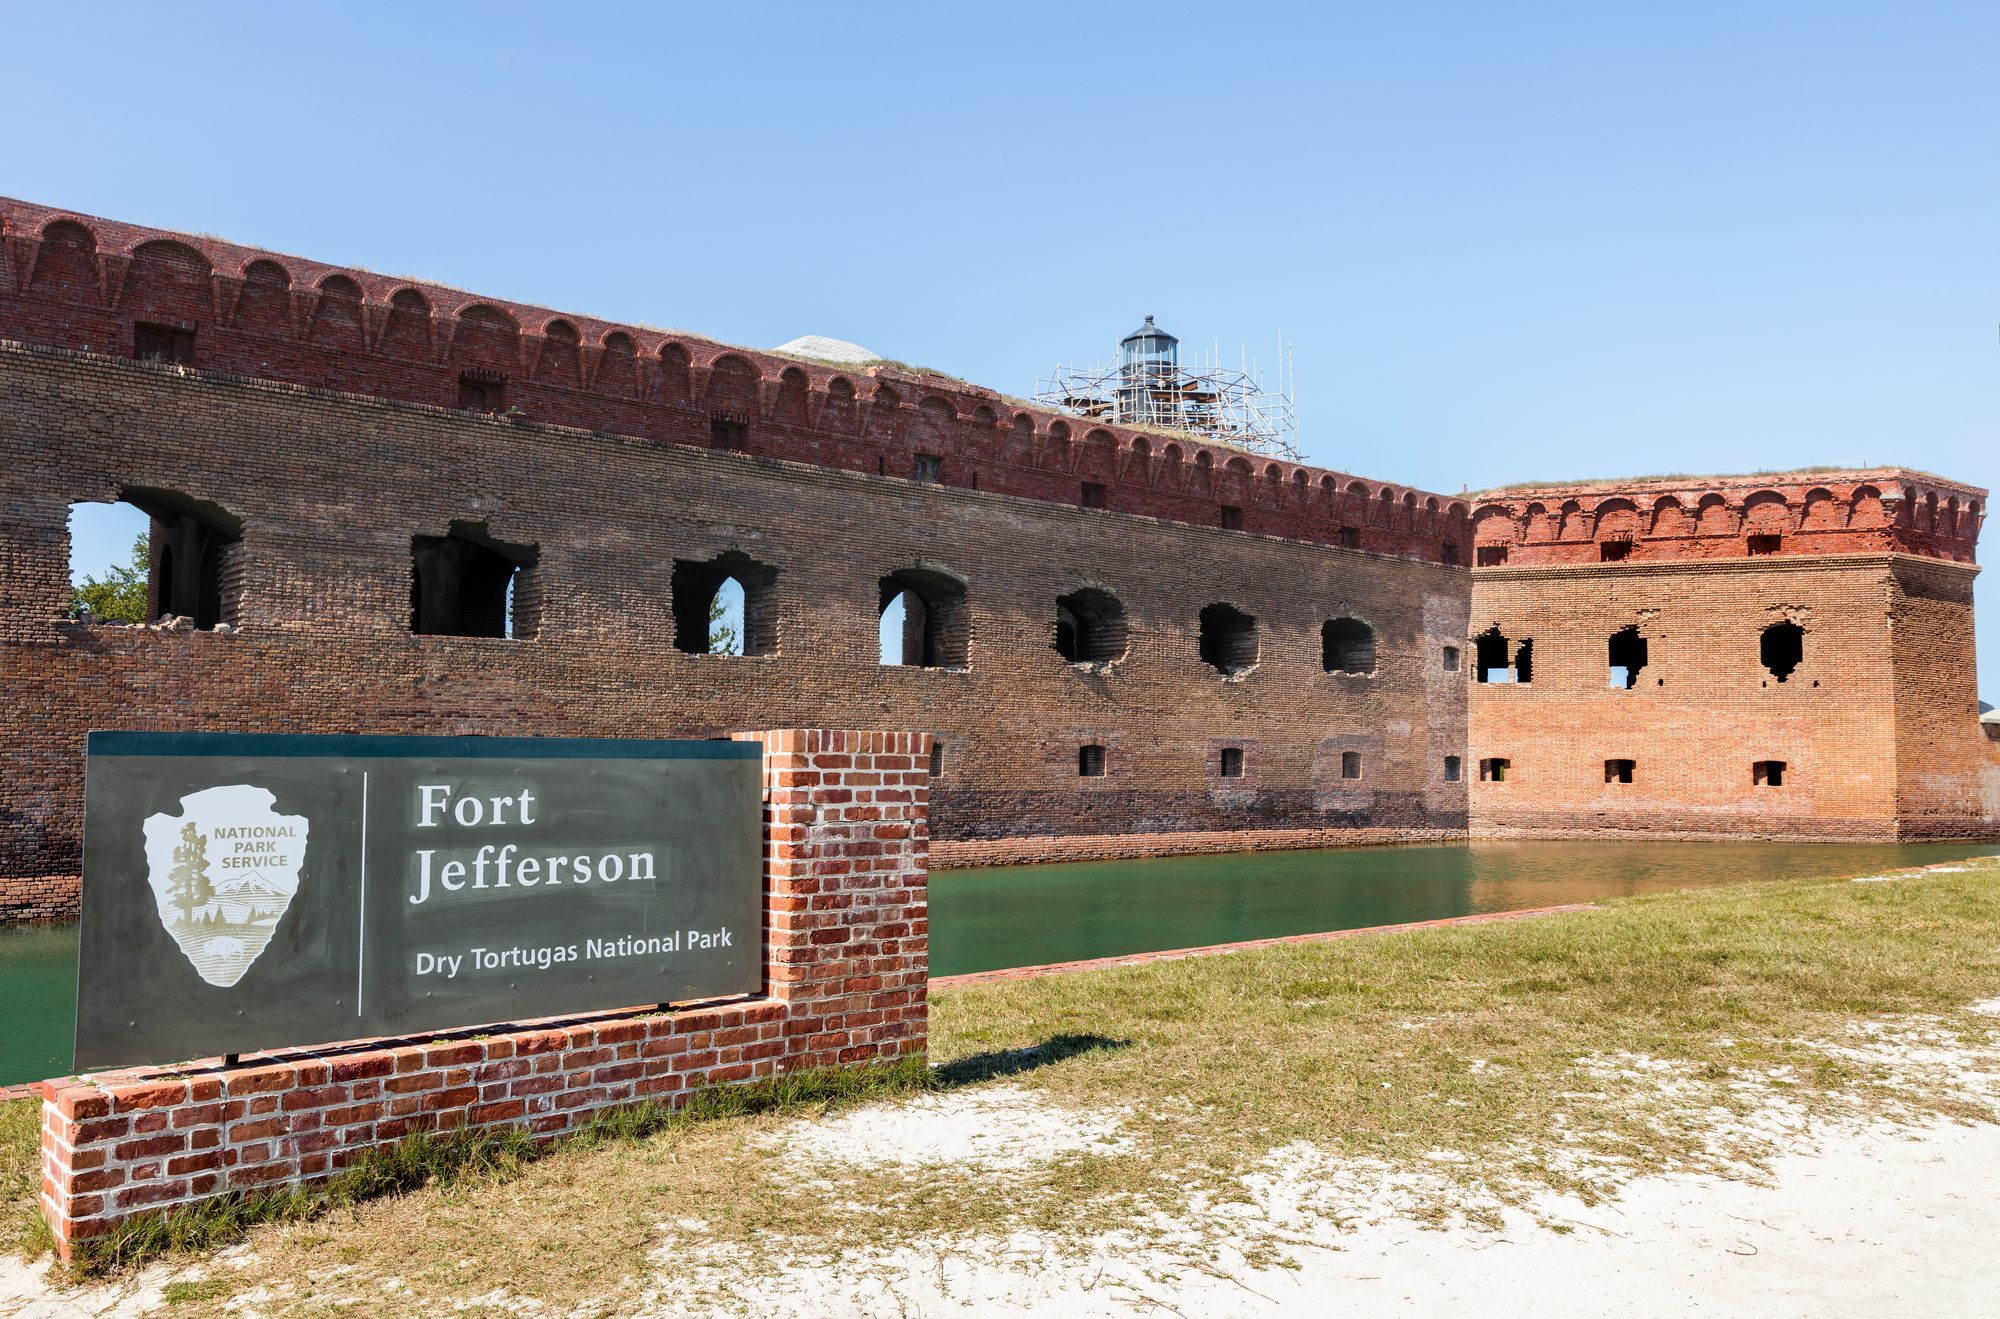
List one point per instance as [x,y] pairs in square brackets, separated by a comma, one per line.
[984,920]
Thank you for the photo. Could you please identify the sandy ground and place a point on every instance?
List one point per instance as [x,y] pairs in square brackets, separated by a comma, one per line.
[1857,1218]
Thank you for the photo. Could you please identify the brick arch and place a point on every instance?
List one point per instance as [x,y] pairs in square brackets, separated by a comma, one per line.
[1766,512]
[488,339]
[618,365]
[264,306]
[1616,518]
[1055,450]
[336,321]
[1821,511]
[789,409]
[1713,517]
[168,282]
[677,374]
[1865,508]
[1670,518]
[1575,523]
[67,263]
[561,359]
[1100,454]
[406,332]
[732,391]
[1536,525]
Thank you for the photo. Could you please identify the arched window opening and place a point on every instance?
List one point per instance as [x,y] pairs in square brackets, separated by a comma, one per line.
[1228,639]
[1347,645]
[1090,627]
[725,606]
[1626,652]
[924,620]
[1782,649]
[469,584]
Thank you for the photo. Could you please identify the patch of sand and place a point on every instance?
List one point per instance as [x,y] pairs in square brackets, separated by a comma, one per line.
[997,1128]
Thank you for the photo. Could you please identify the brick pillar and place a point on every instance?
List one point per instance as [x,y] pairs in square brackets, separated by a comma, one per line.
[846,961]
[846,917]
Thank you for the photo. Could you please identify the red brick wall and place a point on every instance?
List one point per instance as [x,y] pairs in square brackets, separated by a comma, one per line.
[81,282]
[846,961]
[1867,510]
[1877,727]
[330,489]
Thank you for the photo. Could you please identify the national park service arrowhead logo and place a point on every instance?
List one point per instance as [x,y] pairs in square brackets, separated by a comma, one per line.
[223,873]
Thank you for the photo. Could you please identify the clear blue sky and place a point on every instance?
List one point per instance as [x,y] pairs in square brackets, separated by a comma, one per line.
[1510,241]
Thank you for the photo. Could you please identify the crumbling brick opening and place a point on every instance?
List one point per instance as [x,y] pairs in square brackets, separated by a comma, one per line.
[1231,766]
[1493,769]
[1090,761]
[173,344]
[482,391]
[1614,551]
[1782,649]
[727,432]
[194,562]
[1228,639]
[1347,645]
[1768,774]
[1232,518]
[1490,556]
[468,584]
[935,625]
[1090,627]
[1626,653]
[727,605]
[1766,544]
[1490,652]
[1619,771]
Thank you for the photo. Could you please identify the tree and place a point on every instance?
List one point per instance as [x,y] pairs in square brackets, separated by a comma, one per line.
[187,883]
[120,595]
[722,638]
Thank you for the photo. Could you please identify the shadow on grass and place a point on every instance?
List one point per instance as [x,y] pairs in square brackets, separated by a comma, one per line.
[1000,1063]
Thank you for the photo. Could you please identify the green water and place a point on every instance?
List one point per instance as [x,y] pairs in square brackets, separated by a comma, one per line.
[37,1001]
[983,920]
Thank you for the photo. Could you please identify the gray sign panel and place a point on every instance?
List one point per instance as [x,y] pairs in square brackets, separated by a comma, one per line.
[248,891]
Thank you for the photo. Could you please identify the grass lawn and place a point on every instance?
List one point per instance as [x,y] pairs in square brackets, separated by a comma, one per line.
[1568,1052]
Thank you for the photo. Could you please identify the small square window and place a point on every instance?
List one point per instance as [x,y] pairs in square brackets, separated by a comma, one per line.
[1093,495]
[1768,774]
[1451,553]
[1494,769]
[1490,556]
[1619,771]
[482,394]
[726,434]
[163,343]
[1232,762]
[1451,769]
[1766,544]
[1614,551]
[1451,659]
[1090,761]
[1350,764]
[1232,518]
[927,467]
[1350,538]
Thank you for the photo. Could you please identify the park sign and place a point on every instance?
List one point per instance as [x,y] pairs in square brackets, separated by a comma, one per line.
[253,891]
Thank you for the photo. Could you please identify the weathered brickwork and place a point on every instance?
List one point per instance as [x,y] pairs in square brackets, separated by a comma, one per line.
[91,284]
[330,489]
[1875,729]
[345,430]
[846,939]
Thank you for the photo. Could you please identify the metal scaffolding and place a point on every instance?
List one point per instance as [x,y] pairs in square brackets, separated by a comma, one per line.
[1151,387]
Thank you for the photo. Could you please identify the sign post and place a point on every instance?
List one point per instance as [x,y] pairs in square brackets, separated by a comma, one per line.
[252,891]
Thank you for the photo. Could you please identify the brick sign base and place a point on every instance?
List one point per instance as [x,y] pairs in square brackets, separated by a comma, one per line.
[846,938]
